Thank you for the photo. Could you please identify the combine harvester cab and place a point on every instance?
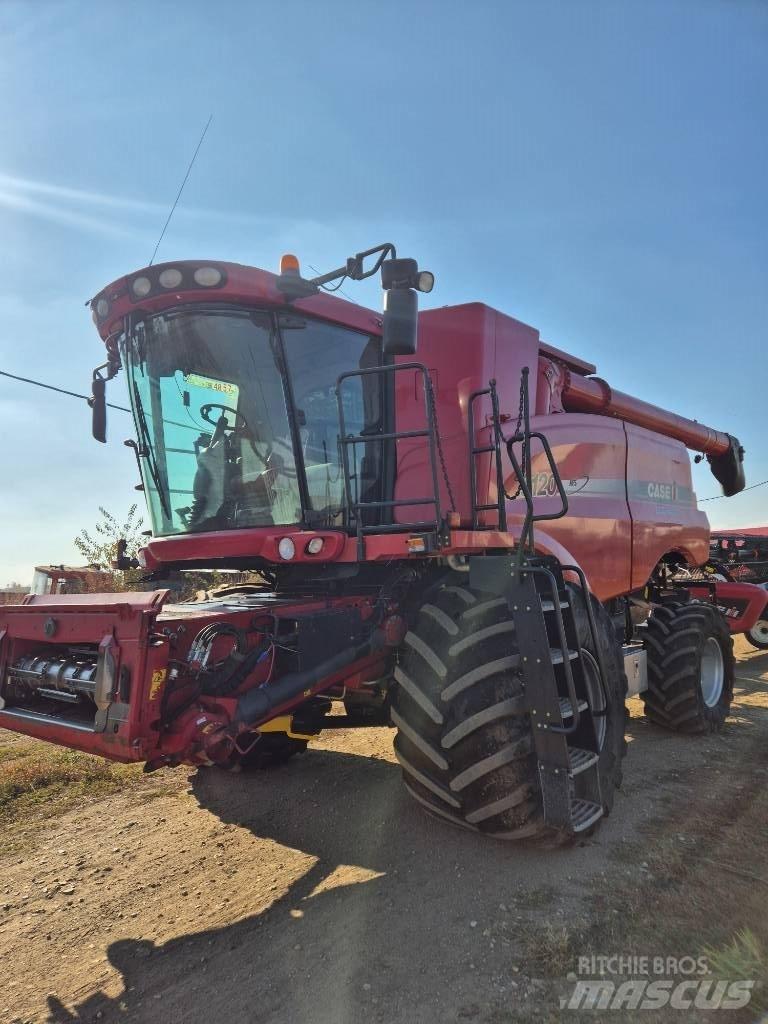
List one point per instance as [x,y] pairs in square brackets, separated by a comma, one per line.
[480,546]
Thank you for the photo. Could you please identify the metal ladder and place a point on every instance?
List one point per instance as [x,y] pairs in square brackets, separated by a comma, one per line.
[564,684]
[565,692]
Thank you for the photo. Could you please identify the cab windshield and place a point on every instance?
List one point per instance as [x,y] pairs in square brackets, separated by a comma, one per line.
[237,418]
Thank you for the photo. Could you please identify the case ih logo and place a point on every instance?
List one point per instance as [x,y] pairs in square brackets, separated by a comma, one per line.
[662,492]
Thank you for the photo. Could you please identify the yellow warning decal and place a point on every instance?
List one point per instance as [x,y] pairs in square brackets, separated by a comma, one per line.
[158,678]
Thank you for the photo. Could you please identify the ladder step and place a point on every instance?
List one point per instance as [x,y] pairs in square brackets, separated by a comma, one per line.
[566,708]
[549,606]
[584,813]
[556,655]
[580,760]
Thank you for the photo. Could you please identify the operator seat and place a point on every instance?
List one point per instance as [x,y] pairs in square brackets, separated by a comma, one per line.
[210,484]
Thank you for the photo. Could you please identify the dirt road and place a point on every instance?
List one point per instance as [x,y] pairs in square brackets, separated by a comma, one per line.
[318,892]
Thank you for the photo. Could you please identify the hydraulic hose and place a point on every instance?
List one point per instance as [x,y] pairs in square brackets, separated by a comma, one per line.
[259,703]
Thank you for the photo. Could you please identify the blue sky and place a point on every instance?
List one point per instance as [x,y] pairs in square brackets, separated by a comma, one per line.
[597,169]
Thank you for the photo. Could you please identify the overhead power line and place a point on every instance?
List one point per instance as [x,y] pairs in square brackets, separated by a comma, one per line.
[717,497]
[61,391]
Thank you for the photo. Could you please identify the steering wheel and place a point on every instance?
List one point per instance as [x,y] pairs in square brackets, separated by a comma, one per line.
[205,412]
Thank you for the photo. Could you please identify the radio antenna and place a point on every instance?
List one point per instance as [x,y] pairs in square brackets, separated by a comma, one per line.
[181,189]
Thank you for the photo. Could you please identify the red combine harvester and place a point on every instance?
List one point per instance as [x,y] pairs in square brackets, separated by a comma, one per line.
[477,547]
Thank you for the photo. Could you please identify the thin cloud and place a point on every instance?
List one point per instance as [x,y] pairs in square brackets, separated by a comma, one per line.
[12,184]
[60,215]
[76,195]
[116,216]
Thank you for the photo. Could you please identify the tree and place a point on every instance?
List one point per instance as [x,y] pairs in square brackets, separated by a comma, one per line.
[100,548]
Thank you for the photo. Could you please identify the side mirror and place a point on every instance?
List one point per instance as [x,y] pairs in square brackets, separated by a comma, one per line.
[98,404]
[400,324]
[122,561]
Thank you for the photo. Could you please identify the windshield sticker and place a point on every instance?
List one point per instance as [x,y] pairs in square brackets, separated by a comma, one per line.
[222,387]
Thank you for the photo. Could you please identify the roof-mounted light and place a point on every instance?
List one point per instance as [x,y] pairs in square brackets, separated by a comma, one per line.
[171,277]
[289,264]
[208,277]
[141,287]
[290,282]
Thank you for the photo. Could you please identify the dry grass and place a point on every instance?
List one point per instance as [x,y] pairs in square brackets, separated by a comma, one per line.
[744,958]
[39,781]
[551,951]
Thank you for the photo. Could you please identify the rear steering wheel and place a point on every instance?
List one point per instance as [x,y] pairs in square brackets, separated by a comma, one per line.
[240,420]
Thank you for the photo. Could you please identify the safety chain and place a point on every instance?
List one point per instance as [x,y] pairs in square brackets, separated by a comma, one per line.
[433,410]
[500,436]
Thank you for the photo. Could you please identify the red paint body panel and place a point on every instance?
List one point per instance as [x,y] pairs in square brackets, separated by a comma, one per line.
[662,503]
[590,452]
[463,347]
[742,604]
[254,543]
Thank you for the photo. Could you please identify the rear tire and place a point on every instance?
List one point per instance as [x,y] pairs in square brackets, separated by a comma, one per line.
[690,667]
[758,635]
[463,733]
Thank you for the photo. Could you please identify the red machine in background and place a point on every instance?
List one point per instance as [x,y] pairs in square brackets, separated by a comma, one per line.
[69,579]
[741,556]
[478,547]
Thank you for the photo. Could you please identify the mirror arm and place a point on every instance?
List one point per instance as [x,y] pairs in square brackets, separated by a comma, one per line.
[353,268]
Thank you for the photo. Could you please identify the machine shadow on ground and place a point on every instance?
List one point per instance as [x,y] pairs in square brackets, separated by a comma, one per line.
[388,882]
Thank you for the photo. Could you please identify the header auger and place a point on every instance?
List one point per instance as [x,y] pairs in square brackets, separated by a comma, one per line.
[475,540]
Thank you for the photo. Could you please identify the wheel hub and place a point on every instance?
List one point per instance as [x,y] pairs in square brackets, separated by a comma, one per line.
[759,631]
[712,672]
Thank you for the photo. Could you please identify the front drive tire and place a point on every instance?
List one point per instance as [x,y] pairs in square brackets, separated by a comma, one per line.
[463,733]
[690,667]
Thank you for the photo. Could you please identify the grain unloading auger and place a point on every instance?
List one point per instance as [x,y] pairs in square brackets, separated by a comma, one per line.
[473,543]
